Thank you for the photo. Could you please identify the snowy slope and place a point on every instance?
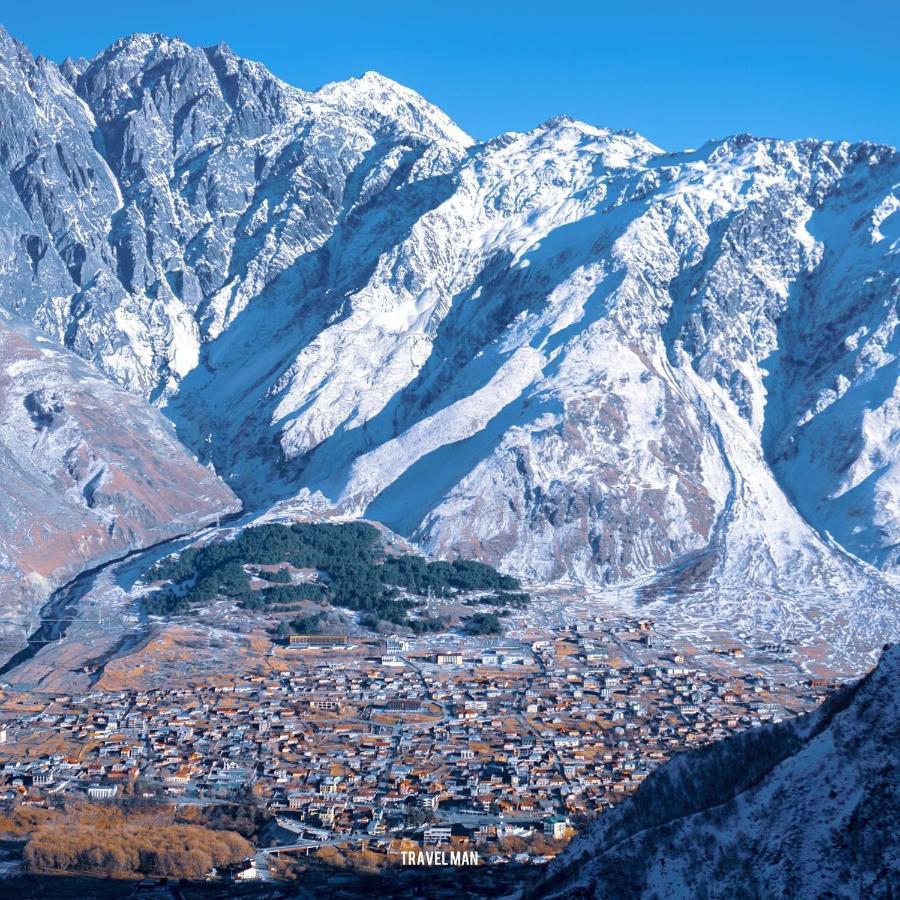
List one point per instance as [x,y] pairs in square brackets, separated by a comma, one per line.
[87,472]
[566,351]
[807,808]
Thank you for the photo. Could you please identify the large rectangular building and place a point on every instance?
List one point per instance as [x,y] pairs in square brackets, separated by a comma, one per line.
[318,640]
[325,704]
[402,704]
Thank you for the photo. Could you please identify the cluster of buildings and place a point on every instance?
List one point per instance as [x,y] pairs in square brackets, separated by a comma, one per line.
[398,740]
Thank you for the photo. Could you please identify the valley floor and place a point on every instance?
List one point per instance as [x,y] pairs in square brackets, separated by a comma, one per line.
[358,753]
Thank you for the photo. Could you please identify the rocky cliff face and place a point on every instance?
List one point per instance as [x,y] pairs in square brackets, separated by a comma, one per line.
[807,808]
[87,472]
[568,352]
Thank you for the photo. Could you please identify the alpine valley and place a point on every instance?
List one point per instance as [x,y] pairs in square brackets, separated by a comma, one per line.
[663,379]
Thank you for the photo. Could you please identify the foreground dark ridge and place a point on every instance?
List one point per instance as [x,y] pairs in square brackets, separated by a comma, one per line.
[806,808]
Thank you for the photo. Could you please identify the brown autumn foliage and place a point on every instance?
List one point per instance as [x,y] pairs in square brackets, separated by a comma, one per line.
[246,817]
[513,844]
[537,844]
[331,856]
[543,845]
[18,824]
[111,840]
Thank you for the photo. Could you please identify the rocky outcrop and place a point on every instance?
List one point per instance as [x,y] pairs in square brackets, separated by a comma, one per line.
[87,472]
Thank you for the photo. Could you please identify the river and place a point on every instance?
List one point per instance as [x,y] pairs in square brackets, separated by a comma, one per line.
[60,610]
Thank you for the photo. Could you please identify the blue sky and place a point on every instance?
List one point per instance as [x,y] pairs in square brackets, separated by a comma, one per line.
[677,73]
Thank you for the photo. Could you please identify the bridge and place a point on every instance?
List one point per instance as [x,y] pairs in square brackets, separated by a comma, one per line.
[292,848]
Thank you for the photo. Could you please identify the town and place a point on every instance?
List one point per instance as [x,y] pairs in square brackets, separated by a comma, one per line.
[492,747]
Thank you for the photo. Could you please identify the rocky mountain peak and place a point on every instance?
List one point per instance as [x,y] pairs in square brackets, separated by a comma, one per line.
[378,98]
[671,375]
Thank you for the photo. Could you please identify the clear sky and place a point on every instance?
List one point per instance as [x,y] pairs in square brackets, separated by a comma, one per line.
[679,73]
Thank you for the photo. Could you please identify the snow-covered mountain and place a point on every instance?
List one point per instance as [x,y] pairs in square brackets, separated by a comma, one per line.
[87,473]
[806,808]
[567,352]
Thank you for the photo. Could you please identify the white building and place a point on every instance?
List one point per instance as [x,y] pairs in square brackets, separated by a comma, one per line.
[102,791]
[396,644]
[556,826]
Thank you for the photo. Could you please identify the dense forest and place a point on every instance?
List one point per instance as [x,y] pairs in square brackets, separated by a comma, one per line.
[502,599]
[354,573]
[483,623]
